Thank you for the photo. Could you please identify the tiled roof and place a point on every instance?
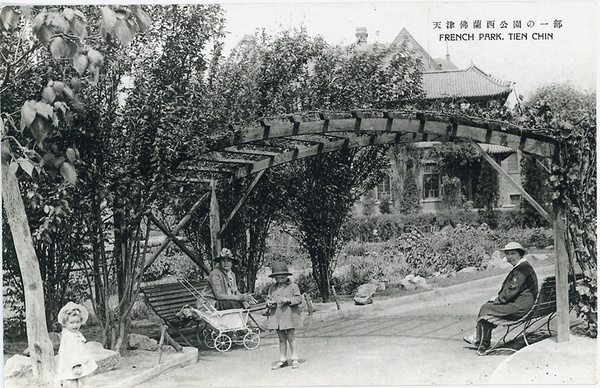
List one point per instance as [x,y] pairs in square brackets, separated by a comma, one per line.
[471,82]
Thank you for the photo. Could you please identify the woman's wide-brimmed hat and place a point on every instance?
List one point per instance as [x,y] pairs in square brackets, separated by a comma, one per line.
[279,269]
[66,310]
[514,246]
[226,254]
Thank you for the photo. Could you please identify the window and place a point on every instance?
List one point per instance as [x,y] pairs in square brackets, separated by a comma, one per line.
[515,199]
[431,181]
[384,190]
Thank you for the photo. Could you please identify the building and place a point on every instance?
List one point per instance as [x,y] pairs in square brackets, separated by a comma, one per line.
[443,81]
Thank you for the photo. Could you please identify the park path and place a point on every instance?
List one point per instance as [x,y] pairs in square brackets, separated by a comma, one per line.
[414,341]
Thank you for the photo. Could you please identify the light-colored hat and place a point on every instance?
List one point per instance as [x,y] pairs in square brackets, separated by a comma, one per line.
[279,269]
[514,246]
[70,307]
[226,254]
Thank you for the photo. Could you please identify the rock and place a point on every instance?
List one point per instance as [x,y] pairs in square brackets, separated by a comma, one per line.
[549,248]
[498,261]
[407,284]
[364,294]
[380,286]
[106,359]
[420,282]
[468,270]
[539,256]
[143,342]
[359,300]
[18,366]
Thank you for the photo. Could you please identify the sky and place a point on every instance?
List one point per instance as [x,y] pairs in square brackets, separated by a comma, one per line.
[569,56]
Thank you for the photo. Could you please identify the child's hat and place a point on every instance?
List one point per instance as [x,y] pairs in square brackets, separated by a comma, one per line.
[70,307]
[279,269]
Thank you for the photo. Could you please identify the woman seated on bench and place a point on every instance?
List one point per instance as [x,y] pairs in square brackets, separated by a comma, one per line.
[515,298]
[221,290]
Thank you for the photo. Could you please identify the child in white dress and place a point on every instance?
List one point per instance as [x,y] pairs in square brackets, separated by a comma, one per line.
[74,360]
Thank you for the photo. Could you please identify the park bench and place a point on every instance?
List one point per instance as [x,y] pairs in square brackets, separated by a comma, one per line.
[543,310]
[168,299]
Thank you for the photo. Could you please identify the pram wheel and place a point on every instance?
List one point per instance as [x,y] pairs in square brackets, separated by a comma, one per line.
[222,343]
[209,338]
[200,327]
[251,340]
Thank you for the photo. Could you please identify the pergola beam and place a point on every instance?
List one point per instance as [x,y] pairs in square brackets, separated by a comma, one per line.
[181,246]
[484,131]
[510,179]
[175,231]
[240,203]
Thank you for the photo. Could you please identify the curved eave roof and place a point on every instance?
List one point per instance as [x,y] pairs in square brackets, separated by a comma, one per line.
[468,83]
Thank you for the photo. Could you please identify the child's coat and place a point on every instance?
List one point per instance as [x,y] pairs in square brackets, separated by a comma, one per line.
[285,316]
[72,352]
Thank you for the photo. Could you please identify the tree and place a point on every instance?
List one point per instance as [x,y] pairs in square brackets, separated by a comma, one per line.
[158,127]
[325,188]
[27,33]
[536,182]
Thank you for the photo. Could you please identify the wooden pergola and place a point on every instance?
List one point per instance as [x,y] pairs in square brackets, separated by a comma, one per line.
[251,150]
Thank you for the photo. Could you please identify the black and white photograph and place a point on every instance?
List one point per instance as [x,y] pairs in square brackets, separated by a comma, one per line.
[292,194]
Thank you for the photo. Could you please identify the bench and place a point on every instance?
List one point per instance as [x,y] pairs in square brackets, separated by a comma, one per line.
[544,308]
[167,300]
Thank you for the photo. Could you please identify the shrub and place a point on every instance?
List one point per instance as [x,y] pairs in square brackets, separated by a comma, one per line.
[308,285]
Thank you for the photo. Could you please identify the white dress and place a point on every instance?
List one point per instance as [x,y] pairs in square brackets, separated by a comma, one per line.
[72,352]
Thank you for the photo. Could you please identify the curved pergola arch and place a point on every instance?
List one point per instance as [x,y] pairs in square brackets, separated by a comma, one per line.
[253,149]
[249,150]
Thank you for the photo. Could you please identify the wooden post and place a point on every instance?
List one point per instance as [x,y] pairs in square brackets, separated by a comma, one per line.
[215,223]
[336,299]
[561,267]
[562,272]
[163,330]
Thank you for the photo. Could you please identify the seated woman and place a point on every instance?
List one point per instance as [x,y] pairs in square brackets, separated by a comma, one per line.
[221,290]
[515,298]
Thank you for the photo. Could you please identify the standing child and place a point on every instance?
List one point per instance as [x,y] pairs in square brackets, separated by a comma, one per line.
[283,301]
[74,361]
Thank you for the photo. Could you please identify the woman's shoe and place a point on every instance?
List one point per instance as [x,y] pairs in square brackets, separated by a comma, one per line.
[295,364]
[472,340]
[279,365]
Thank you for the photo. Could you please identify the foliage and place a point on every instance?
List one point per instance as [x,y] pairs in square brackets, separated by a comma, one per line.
[446,251]
[307,285]
[569,116]
[536,181]
[459,160]
[452,197]
[409,201]
[488,188]
[385,206]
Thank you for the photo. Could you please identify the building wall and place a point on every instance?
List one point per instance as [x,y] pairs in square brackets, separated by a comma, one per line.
[509,196]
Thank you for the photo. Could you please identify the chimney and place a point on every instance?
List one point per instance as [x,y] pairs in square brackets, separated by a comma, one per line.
[361,36]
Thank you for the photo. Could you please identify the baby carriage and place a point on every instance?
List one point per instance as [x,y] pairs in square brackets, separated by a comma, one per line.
[221,328]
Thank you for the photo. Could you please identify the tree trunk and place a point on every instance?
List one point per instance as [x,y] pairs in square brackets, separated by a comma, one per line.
[42,352]
[321,276]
